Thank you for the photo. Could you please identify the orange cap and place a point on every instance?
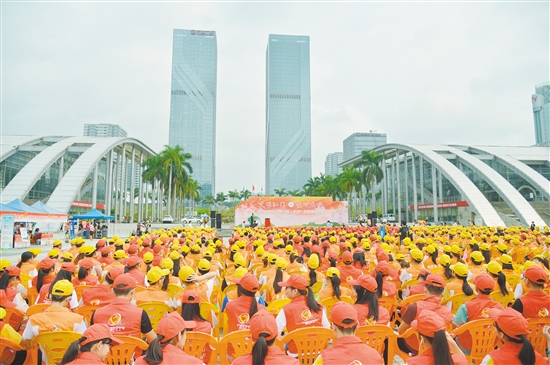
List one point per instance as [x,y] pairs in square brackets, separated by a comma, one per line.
[191,296]
[510,321]
[366,281]
[68,266]
[13,270]
[428,323]
[86,263]
[99,331]
[435,280]
[347,257]
[342,311]
[484,282]
[171,325]
[536,275]
[383,267]
[124,281]
[248,282]
[4,302]
[47,263]
[263,323]
[115,272]
[295,281]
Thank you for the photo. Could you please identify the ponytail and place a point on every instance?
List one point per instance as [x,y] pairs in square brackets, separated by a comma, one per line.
[154,352]
[254,304]
[335,281]
[311,302]
[25,256]
[82,273]
[260,348]
[466,288]
[448,272]
[278,278]
[40,277]
[502,283]
[312,277]
[441,351]
[369,298]
[165,282]
[434,256]
[527,354]
[379,283]
[74,350]
[332,261]
[486,256]
[292,258]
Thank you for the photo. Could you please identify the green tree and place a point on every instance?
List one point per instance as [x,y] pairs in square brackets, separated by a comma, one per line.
[154,174]
[233,195]
[245,194]
[371,171]
[220,198]
[280,192]
[175,162]
[209,200]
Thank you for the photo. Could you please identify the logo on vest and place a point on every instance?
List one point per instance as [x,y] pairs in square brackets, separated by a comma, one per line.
[543,312]
[244,317]
[485,312]
[384,293]
[54,328]
[306,314]
[115,319]
[355,362]
[95,302]
[369,321]
[349,278]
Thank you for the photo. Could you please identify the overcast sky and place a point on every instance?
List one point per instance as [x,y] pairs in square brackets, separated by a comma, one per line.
[451,73]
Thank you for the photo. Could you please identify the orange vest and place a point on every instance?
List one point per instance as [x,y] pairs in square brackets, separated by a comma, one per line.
[349,273]
[237,311]
[121,316]
[99,294]
[536,304]
[427,358]
[350,350]
[477,308]
[433,303]
[507,354]
[152,294]
[138,275]
[88,280]
[363,312]
[55,319]
[298,315]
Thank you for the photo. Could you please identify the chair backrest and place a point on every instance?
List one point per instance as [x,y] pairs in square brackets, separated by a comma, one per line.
[79,289]
[37,308]
[55,344]
[504,300]
[122,354]
[202,346]
[229,288]
[139,288]
[87,311]
[409,283]
[389,303]
[241,343]
[309,341]
[536,337]
[15,317]
[32,294]
[156,312]
[329,302]
[276,305]
[8,349]
[405,302]
[456,301]
[413,341]
[173,289]
[483,338]
[375,335]
[206,313]
[316,288]
[513,280]
[25,279]
[216,296]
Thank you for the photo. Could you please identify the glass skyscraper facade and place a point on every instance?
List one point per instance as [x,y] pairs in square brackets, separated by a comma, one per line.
[288,113]
[359,142]
[541,112]
[193,102]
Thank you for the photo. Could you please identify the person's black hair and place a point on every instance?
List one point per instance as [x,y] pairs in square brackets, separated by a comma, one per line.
[191,312]
[359,257]
[165,283]
[25,256]
[335,281]
[447,271]
[254,304]
[128,268]
[59,298]
[458,257]
[423,276]
[5,280]
[347,331]
[312,276]
[121,292]
[108,280]
[466,288]
[527,353]
[379,282]
[486,255]
[434,256]
[231,256]
[441,352]
[501,281]
[40,277]
[265,261]
[292,258]
[300,259]
[434,290]
[332,261]
[260,348]
[82,273]
[177,267]
[507,266]
[75,349]
[543,261]
[154,352]
[61,275]
[203,272]
[370,298]
[307,252]
[311,302]
[477,263]
[485,292]
[278,278]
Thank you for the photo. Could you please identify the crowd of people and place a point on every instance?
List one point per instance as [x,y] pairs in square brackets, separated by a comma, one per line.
[275,280]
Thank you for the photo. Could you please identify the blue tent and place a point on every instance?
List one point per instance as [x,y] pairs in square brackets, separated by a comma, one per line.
[18,205]
[7,208]
[93,214]
[44,208]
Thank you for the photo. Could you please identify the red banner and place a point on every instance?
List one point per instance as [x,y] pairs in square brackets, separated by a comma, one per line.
[462,203]
[80,204]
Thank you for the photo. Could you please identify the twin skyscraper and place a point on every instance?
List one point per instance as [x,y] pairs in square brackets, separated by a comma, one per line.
[288,108]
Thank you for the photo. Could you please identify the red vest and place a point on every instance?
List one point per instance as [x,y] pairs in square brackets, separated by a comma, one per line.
[298,315]
[536,304]
[237,311]
[417,288]
[479,306]
[427,358]
[121,317]
[88,280]
[349,273]
[363,312]
[99,294]
[274,357]
[172,355]
[433,303]
[351,350]
[388,289]
[138,275]
[507,354]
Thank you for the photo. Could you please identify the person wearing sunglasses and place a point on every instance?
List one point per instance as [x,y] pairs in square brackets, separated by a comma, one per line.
[92,348]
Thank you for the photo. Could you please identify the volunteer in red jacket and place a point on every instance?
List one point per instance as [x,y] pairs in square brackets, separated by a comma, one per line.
[264,331]
[348,348]
[512,329]
[92,348]
[366,305]
[439,347]
[167,348]
[302,311]
[536,303]
[240,311]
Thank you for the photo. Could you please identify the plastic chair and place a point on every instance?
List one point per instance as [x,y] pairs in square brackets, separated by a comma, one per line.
[408,284]
[276,305]
[241,342]
[122,354]
[536,337]
[37,308]
[139,288]
[409,333]
[404,303]
[173,289]
[216,296]
[483,338]
[55,344]
[504,300]
[329,302]
[14,317]
[156,311]
[206,313]
[513,280]
[87,311]
[316,288]
[375,335]
[32,294]
[389,303]
[79,289]
[25,280]
[309,341]
[8,349]
[456,301]
[202,346]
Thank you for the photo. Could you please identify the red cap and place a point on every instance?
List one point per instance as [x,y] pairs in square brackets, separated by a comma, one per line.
[536,275]
[157,248]
[347,257]
[435,280]
[263,322]
[424,271]
[366,281]
[99,331]
[68,266]
[124,281]
[428,323]
[115,272]
[510,321]
[484,282]
[248,282]
[100,244]
[342,311]
[47,263]
[172,325]
[105,250]
[133,249]
[191,296]
[4,302]
[86,263]
[307,245]
[13,270]
[382,256]
[383,267]
[295,281]
[132,261]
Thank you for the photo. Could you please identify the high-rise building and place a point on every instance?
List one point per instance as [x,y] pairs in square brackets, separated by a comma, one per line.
[288,113]
[104,130]
[541,112]
[359,142]
[193,102]
[331,163]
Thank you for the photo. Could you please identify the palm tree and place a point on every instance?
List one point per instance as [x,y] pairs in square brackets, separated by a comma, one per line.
[153,173]
[349,181]
[371,172]
[209,200]
[192,192]
[234,195]
[245,194]
[175,161]
[220,198]
[295,192]
[281,192]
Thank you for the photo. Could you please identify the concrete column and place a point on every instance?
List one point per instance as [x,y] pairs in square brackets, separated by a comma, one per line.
[140,184]
[132,185]
[415,193]
[116,184]
[421,163]
[434,193]
[440,182]
[122,209]
[406,168]
[109,184]
[94,186]
[398,164]
[393,185]
[384,188]
[61,168]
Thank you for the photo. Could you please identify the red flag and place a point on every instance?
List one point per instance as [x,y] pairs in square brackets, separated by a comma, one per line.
[253,188]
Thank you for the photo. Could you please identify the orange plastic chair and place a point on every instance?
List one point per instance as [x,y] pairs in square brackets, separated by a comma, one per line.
[229,288]
[375,335]
[8,349]
[241,342]
[216,296]
[456,301]
[11,314]
[410,332]
[87,311]
[32,294]
[404,303]
[122,354]
[327,303]
[79,289]
[173,289]
[202,346]
[483,338]
[156,312]
[25,280]
[389,303]
[37,308]
[536,337]
[408,284]
[276,305]
[206,313]
[504,300]
[139,288]
[513,280]
[55,344]
[309,341]
[316,288]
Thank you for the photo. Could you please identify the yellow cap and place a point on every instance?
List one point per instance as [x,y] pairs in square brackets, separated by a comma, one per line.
[240,272]
[366,245]
[239,261]
[185,273]
[506,259]
[477,256]
[430,249]
[484,246]
[460,269]
[204,264]
[332,271]
[174,255]
[156,273]
[455,249]
[313,261]
[289,248]
[68,256]
[63,288]
[35,251]
[167,263]
[4,263]
[2,313]
[185,249]
[53,253]
[57,243]
[417,254]
[148,257]
[502,247]
[400,256]
[444,260]
[447,249]
[119,254]
[281,263]
[493,267]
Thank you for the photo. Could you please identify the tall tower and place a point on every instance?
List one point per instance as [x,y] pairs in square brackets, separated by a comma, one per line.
[288,113]
[541,112]
[193,102]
